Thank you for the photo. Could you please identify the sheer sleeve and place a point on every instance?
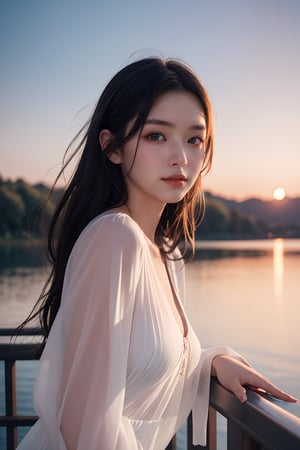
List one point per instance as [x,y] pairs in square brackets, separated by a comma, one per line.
[97,309]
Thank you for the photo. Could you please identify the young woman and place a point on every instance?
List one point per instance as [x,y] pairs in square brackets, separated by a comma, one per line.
[122,367]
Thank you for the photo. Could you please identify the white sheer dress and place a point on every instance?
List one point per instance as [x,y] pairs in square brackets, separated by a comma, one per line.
[116,372]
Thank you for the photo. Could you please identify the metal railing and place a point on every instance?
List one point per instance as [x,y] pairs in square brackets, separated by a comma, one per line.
[258,424]
[10,353]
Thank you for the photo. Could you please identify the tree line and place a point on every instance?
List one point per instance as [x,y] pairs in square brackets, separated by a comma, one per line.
[26,210]
[222,222]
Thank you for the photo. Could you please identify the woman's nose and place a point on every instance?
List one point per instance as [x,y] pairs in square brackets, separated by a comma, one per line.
[178,156]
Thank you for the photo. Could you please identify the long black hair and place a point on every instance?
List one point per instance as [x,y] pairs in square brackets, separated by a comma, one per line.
[98,185]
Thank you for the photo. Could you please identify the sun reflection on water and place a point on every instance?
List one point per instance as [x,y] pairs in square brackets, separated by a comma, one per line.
[278,269]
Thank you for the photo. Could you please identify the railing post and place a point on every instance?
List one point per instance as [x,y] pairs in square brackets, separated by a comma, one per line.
[235,436]
[11,403]
[212,429]
[238,440]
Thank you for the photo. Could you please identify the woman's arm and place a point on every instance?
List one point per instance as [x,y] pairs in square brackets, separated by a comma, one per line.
[98,306]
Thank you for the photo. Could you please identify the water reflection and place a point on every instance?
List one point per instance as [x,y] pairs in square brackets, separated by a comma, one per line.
[278,269]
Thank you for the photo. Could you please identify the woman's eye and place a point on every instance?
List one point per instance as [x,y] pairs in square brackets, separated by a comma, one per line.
[196,140]
[155,137]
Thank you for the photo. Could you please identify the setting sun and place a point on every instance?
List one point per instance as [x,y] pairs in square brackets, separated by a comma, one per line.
[279,193]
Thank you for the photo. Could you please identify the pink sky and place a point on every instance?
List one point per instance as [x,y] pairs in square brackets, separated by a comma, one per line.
[57,59]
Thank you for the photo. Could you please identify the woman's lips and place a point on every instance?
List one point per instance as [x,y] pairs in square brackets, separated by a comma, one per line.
[175,180]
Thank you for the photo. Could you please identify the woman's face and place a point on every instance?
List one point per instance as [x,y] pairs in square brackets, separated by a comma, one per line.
[164,164]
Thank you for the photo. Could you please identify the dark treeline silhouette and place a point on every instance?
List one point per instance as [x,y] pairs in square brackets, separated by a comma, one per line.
[25,210]
[250,219]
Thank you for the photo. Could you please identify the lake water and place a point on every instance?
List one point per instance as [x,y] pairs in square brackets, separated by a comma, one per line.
[241,293]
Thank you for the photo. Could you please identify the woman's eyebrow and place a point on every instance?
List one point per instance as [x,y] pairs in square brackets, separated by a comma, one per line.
[165,123]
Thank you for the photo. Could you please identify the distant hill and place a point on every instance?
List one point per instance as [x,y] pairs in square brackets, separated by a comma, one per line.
[273,212]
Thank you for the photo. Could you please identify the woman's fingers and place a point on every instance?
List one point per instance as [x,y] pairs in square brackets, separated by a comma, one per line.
[236,376]
[259,383]
[272,390]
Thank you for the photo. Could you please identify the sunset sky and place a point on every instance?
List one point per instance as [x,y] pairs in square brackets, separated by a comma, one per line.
[57,56]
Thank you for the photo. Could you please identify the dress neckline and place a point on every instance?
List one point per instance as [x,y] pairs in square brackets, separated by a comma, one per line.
[178,304]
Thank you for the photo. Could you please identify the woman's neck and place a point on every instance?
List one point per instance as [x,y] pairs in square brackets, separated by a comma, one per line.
[147,218]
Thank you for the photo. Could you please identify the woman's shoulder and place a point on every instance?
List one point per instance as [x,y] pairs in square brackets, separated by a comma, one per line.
[108,235]
[114,220]
[113,226]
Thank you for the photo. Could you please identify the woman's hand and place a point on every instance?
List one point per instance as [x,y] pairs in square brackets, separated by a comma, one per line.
[234,375]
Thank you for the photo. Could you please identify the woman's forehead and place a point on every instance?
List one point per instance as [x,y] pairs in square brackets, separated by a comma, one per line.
[178,107]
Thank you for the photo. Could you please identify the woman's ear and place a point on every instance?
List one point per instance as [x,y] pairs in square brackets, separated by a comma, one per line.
[105,137]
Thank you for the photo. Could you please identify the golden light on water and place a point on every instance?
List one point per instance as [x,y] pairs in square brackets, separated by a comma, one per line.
[278,268]
[279,193]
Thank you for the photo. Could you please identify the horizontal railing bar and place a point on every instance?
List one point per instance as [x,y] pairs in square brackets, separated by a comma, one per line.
[265,422]
[18,421]
[19,352]
[14,332]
